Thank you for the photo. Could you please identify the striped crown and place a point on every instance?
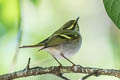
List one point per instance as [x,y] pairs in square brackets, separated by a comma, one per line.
[71,25]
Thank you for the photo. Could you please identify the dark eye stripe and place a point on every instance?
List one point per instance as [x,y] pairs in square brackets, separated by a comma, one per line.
[68,24]
[72,27]
[74,24]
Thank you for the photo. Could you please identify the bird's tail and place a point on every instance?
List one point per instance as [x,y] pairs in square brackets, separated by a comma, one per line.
[32,46]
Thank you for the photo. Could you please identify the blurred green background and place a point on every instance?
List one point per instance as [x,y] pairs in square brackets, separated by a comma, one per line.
[31,21]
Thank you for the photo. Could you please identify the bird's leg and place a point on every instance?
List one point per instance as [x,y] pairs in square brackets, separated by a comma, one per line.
[67,59]
[60,65]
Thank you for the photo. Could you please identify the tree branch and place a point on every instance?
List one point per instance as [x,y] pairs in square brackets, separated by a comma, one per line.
[59,71]
[56,70]
[91,74]
[62,77]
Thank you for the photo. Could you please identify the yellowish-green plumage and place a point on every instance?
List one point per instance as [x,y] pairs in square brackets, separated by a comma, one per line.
[64,42]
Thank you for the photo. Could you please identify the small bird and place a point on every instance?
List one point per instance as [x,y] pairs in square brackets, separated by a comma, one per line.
[65,42]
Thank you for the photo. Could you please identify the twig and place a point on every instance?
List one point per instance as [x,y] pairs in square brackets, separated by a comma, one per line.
[59,75]
[28,64]
[55,70]
[63,77]
[89,75]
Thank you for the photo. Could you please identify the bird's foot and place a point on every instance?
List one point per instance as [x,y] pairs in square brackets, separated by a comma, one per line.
[60,66]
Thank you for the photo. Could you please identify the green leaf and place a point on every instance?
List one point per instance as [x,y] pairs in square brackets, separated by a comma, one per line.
[113,10]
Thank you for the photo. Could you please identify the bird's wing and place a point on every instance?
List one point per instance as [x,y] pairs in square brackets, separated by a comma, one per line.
[61,37]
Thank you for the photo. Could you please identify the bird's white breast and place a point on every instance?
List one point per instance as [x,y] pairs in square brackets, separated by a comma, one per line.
[68,49]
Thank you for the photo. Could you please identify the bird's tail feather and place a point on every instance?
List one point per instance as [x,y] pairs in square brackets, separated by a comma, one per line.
[31,46]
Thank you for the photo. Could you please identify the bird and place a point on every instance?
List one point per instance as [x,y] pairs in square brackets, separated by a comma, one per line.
[63,43]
